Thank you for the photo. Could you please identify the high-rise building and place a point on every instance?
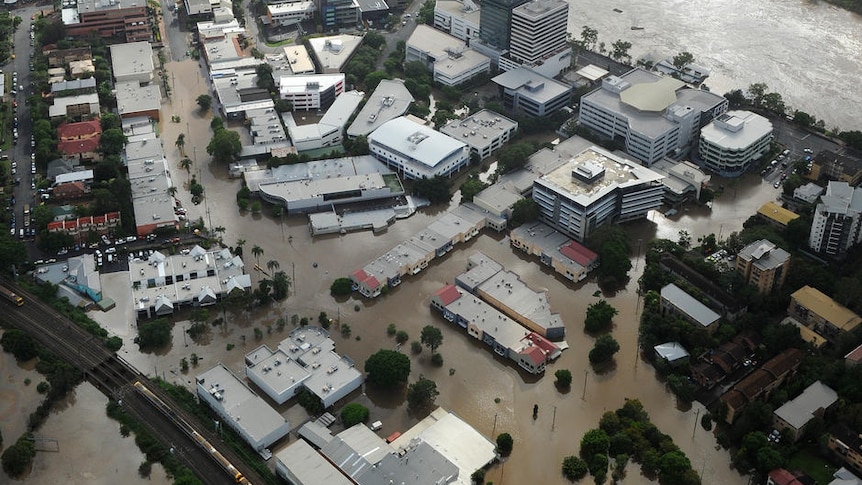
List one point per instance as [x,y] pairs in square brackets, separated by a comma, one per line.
[837,224]
[538,30]
[339,13]
[495,21]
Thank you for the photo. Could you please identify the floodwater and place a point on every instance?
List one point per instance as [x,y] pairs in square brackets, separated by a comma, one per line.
[804,50]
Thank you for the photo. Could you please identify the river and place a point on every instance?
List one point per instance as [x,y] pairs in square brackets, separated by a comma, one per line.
[808,51]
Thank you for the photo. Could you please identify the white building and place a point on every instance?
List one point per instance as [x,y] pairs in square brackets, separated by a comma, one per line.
[289,13]
[732,142]
[239,93]
[299,59]
[333,52]
[484,132]
[311,92]
[328,131]
[460,19]
[593,188]
[240,408]
[150,182]
[795,414]
[531,93]
[74,106]
[538,31]
[656,116]
[837,224]
[417,151]
[449,58]
[132,62]
[389,100]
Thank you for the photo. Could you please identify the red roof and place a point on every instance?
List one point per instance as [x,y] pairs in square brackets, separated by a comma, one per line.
[371,282]
[535,354]
[79,130]
[359,275]
[447,294]
[543,343]
[855,355]
[74,147]
[783,477]
[578,253]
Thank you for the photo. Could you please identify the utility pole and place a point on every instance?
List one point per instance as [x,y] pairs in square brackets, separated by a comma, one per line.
[694,428]
[494,428]
[584,395]
[554,419]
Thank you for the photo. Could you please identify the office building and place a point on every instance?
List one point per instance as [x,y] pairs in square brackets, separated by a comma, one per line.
[335,14]
[822,314]
[327,132]
[655,116]
[484,132]
[526,91]
[417,151]
[289,13]
[108,18]
[333,52]
[389,100]
[594,188]
[734,142]
[458,18]
[796,413]
[538,31]
[448,58]
[495,22]
[311,92]
[837,223]
[764,265]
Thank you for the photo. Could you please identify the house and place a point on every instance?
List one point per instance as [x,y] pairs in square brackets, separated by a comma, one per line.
[795,414]
[671,352]
[366,284]
[780,476]
[822,314]
[854,357]
[675,301]
[70,191]
[846,445]
[845,477]
[80,140]
[776,215]
[759,384]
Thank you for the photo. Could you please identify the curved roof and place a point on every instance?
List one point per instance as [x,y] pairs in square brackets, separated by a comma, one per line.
[652,96]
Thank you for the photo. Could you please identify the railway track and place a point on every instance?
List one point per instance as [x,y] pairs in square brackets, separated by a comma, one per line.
[115,378]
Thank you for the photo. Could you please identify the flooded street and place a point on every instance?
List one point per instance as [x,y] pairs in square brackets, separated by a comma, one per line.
[801,49]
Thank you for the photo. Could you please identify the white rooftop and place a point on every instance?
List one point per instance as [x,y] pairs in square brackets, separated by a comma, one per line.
[388,101]
[421,143]
[308,467]
[298,57]
[696,310]
[308,83]
[479,129]
[435,42]
[134,98]
[531,84]
[801,409]
[736,130]
[131,58]
[841,198]
[334,51]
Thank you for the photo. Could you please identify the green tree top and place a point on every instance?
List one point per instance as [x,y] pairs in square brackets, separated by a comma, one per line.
[388,368]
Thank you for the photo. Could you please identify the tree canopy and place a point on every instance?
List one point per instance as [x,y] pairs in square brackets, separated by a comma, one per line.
[353,413]
[604,349]
[224,146]
[205,101]
[523,211]
[437,189]
[600,315]
[388,368]
[421,394]
[431,337]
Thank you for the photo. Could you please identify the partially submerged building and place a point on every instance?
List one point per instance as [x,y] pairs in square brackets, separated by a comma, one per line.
[553,248]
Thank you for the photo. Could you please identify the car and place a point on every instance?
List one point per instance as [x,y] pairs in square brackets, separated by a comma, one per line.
[808,150]
[777,184]
[14,171]
[32,185]
[786,152]
[110,250]
[131,239]
[93,246]
[62,252]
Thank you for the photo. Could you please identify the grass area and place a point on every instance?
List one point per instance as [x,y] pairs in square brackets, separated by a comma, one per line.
[811,463]
[279,44]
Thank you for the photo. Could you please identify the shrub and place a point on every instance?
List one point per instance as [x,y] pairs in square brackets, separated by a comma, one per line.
[341,287]
[401,337]
[574,468]
[505,443]
[354,413]
[437,360]
[416,347]
[391,330]
[564,378]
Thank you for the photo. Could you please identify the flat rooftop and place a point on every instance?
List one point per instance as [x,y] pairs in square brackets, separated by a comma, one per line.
[389,100]
[696,310]
[531,84]
[479,130]
[736,130]
[491,321]
[134,98]
[466,9]
[435,42]
[298,57]
[276,368]
[507,288]
[334,51]
[131,59]
[329,169]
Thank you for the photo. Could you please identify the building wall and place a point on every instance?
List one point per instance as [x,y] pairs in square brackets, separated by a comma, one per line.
[668,308]
[813,320]
[833,234]
[339,13]
[728,162]
[764,280]
[314,99]
[519,101]
[852,456]
[454,25]
[534,38]
[647,149]
[466,74]
[131,23]
[495,22]
[278,397]
[274,435]
[411,169]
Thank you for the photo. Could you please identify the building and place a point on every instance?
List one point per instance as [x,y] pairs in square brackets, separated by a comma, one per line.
[503,335]
[683,181]
[389,100]
[593,188]
[759,384]
[734,142]
[133,62]
[328,131]
[80,140]
[108,18]
[722,302]
[255,421]
[135,100]
[822,314]
[335,14]
[776,215]
[484,132]
[555,249]
[75,86]
[289,13]
[74,107]
[311,92]
[764,265]
[832,166]
[448,58]
[505,291]
[458,18]
[795,414]
[62,57]
[845,477]
[70,191]
[332,53]
[847,446]
[653,116]
[531,93]
[675,301]
[150,181]
[298,59]
[239,94]
[305,360]
[83,228]
[196,277]
[538,37]
[837,222]
[417,151]
[854,357]
[807,194]
[266,132]
[495,22]
[672,353]
[301,464]
[780,476]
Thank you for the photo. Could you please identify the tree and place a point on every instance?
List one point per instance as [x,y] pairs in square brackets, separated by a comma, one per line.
[523,211]
[272,265]
[773,102]
[574,468]
[604,349]
[264,77]
[437,189]
[354,413]
[471,187]
[388,368]
[401,337]
[756,92]
[18,457]
[186,164]
[682,59]
[111,141]
[505,443]
[416,347]
[431,337]
[673,467]
[614,251]
[181,142]
[478,477]
[280,285]
[374,40]
[421,394]
[205,101]
[224,146]
[564,378]
[20,344]
[620,50]
[589,36]
[341,287]
[600,315]
[216,124]
[594,442]
[154,334]
[257,252]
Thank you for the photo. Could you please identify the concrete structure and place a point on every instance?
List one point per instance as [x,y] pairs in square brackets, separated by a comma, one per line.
[74,107]
[150,182]
[671,352]
[776,215]
[846,445]
[304,360]
[593,188]
[299,59]
[837,222]
[448,58]
[496,22]
[759,384]
[822,314]
[554,249]
[319,185]
[538,31]
[460,19]
[505,291]
[289,13]
[503,335]
[389,100]
[654,116]
[132,62]
[808,193]
[417,151]
[675,301]
[335,14]
[531,93]
[197,277]
[764,265]
[301,464]
[135,100]
[733,142]
[328,131]
[239,94]
[240,408]
[484,132]
[795,414]
[108,18]
[333,52]
[682,181]
[832,166]
[311,92]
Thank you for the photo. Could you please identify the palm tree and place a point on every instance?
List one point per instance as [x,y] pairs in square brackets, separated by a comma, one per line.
[239,244]
[272,265]
[186,164]
[257,252]
[172,190]
[181,143]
